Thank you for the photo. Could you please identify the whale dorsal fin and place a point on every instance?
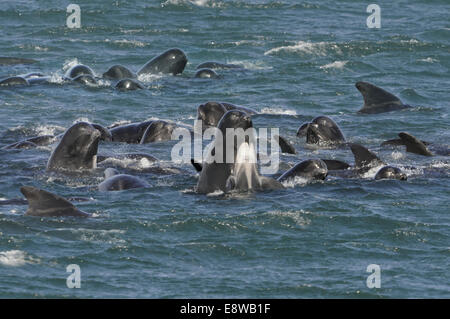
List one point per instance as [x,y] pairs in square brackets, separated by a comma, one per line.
[376,97]
[414,145]
[364,157]
[43,203]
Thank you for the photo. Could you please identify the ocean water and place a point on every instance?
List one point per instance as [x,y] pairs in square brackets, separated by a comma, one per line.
[299,60]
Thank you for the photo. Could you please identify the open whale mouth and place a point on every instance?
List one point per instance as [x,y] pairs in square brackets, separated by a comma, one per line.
[321,174]
[244,175]
[323,135]
[178,66]
[314,134]
[91,149]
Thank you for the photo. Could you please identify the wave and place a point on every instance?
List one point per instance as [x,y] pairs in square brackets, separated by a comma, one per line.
[334,65]
[16,258]
[317,48]
[251,65]
[277,111]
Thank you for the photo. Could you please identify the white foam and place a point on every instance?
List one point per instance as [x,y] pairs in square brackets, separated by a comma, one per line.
[56,78]
[70,63]
[148,78]
[317,48]
[198,3]
[133,43]
[243,42]
[251,65]
[34,47]
[277,111]
[82,119]
[135,164]
[215,193]
[372,172]
[411,41]
[397,155]
[48,129]
[296,216]
[334,65]
[295,181]
[429,60]
[120,123]
[15,258]
[440,165]
[130,31]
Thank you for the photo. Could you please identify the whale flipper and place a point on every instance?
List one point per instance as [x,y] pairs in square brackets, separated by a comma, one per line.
[378,100]
[414,145]
[364,157]
[43,203]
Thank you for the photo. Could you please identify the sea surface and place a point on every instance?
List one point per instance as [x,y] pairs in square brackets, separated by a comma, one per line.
[299,59]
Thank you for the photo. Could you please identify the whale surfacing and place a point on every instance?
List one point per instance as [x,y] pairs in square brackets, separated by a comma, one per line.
[378,100]
[45,204]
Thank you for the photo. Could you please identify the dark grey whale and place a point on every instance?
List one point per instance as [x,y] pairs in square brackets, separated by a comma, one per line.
[416,146]
[129,133]
[312,169]
[14,60]
[42,203]
[77,149]
[118,72]
[377,100]
[158,131]
[114,181]
[322,131]
[128,84]
[172,61]
[214,175]
[390,172]
[14,81]
[206,74]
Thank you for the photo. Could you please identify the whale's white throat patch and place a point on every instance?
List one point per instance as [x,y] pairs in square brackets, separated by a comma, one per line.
[245,169]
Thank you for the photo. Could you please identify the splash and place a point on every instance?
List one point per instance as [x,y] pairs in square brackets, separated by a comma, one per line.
[277,111]
[251,65]
[15,258]
[318,48]
[334,65]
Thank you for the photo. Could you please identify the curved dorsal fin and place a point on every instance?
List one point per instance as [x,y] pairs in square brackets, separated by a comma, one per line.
[44,203]
[376,98]
[364,157]
[414,145]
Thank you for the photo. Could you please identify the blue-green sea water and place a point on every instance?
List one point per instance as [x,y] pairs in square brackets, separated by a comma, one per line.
[300,59]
